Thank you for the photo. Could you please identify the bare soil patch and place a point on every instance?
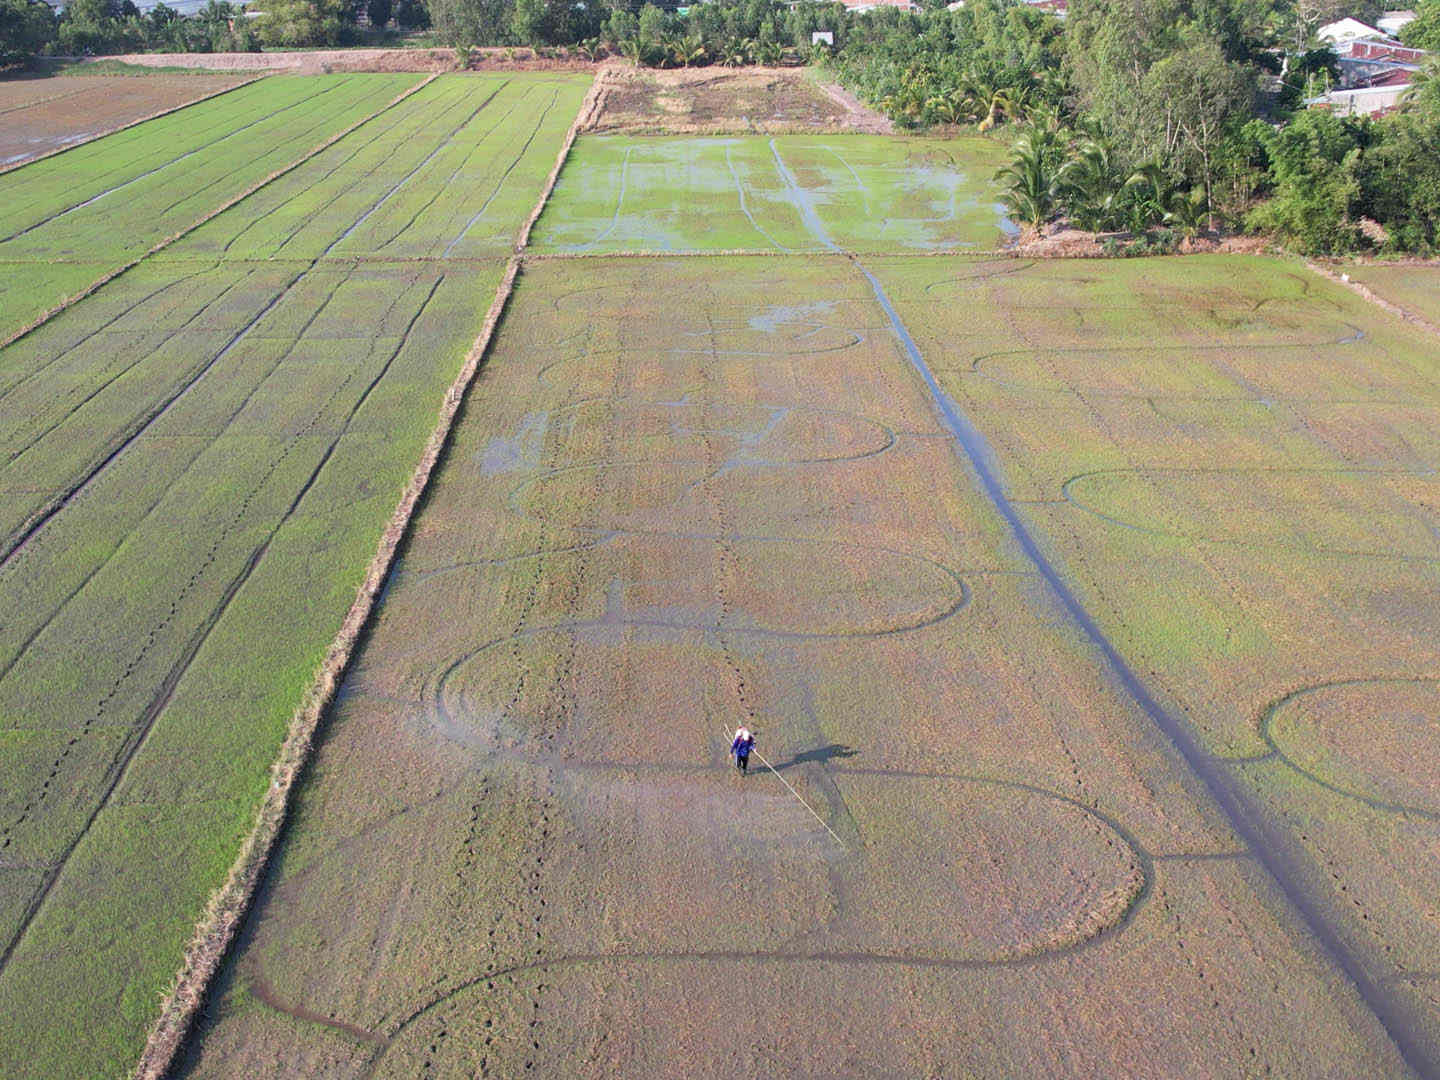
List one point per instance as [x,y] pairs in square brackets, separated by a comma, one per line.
[39,116]
[720,101]
[1064,241]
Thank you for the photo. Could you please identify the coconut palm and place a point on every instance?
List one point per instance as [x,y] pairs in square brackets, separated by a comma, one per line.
[737,52]
[1150,193]
[1187,211]
[1029,180]
[947,108]
[989,102]
[1091,185]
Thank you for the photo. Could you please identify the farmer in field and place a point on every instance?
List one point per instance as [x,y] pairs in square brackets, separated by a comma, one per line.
[743,743]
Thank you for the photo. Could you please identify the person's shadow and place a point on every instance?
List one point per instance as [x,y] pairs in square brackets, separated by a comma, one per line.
[820,754]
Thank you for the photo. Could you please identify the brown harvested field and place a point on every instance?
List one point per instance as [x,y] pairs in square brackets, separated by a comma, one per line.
[689,493]
[40,115]
[1412,287]
[700,101]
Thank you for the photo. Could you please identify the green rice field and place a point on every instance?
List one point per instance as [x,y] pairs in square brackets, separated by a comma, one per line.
[1414,288]
[1084,611]
[199,459]
[102,204]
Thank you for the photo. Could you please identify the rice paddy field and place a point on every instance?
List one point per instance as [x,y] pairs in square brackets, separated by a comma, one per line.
[199,459]
[987,856]
[41,115]
[695,193]
[1414,288]
[1084,611]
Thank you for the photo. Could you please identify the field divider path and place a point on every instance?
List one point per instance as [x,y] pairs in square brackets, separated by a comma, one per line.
[233,201]
[12,166]
[1359,288]
[230,903]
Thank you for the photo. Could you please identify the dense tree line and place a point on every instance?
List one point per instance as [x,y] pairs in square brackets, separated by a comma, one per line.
[732,32]
[29,28]
[1167,118]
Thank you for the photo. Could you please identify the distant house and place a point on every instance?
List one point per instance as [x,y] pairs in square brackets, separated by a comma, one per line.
[861,6]
[1058,8]
[1385,51]
[1392,21]
[1338,33]
[1364,101]
[1400,76]
[1361,63]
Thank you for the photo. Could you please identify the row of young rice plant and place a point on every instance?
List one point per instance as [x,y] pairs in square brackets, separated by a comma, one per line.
[79,214]
[40,116]
[199,460]
[386,194]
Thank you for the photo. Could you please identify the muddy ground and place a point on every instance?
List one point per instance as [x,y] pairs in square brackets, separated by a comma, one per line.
[717,100]
[41,115]
[684,495]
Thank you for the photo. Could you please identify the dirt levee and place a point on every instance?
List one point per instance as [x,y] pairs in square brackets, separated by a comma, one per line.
[714,100]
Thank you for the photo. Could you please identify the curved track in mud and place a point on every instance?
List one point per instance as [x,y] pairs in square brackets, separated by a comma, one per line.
[725,436]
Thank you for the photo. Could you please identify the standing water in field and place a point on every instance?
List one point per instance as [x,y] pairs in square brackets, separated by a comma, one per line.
[758,193]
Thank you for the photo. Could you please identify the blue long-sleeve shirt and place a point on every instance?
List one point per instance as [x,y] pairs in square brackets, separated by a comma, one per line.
[741,747]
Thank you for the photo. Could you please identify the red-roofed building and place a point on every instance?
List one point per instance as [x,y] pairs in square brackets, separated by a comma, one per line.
[1393,77]
[1391,51]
